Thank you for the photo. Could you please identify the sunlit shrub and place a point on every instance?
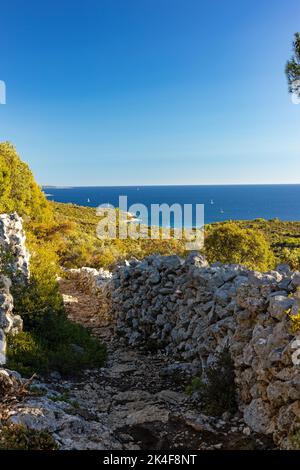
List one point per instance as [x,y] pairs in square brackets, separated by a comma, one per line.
[229,243]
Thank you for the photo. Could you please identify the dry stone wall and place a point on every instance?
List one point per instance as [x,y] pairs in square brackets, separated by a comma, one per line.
[191,311]
[97,284]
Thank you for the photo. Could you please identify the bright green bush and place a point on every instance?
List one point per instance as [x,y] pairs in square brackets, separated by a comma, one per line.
[50,341]
[26,354]
[291,257]
[54,343]
[229,243]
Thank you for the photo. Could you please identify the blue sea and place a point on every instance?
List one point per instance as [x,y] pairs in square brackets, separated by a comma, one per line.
[230,202]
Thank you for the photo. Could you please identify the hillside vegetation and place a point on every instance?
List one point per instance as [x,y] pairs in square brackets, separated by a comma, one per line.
[18,190]
[259,244]
[50,341]
[282,236]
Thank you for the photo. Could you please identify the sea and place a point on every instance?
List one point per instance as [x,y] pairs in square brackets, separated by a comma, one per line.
[221,202]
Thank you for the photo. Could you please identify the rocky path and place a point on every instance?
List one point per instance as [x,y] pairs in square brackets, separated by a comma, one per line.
[133,402]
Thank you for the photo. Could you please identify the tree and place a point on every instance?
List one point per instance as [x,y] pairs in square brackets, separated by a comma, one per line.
[292,68]
[229,243]
[18,190]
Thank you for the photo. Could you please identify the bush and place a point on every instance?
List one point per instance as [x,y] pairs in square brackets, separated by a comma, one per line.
[25,354]
[50,340]
[229,243]
[217,390]
[291,257]
[54,343]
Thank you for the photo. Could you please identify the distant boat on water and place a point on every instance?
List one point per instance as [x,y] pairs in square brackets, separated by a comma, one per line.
[221,211]
[212,201]
[88,200]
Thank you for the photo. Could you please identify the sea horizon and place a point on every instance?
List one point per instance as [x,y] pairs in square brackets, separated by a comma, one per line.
[163,185]
[221,202]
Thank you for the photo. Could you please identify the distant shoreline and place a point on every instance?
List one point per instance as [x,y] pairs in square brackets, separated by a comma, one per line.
[168,185]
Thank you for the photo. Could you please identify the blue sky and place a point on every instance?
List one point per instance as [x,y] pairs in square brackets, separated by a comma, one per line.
[120,92]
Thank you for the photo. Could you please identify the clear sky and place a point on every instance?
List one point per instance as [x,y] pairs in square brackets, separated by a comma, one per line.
[111,92]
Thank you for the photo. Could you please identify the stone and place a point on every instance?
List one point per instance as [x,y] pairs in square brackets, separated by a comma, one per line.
[170,396]
[149,414]
[258,416]
[199,422]
[12,240]
[279,306]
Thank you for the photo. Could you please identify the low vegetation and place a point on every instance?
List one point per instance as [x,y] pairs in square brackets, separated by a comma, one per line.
[50,341]
[259,244]
[217,390]
[78,245]
[19,437]
[282,236]
[230,243]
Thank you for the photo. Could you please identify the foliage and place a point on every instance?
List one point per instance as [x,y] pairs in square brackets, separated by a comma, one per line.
[79,245]
[291,257]
[55,343]
[19,437]
[217,390]
[18,190]
[283,236]
[229,243]
[50,340]
[294,440]
[292,68]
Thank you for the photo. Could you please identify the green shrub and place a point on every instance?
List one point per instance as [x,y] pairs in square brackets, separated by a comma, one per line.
[217,390]
[291,257]
[229,243]
[19,437]
[294,440]
[54,343]
[50,340]
[25,354]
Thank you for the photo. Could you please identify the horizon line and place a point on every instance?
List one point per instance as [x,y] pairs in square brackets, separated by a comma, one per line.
[163,185]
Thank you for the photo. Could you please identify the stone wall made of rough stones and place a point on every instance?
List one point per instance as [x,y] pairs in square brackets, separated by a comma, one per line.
[12,241]
[192,311]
